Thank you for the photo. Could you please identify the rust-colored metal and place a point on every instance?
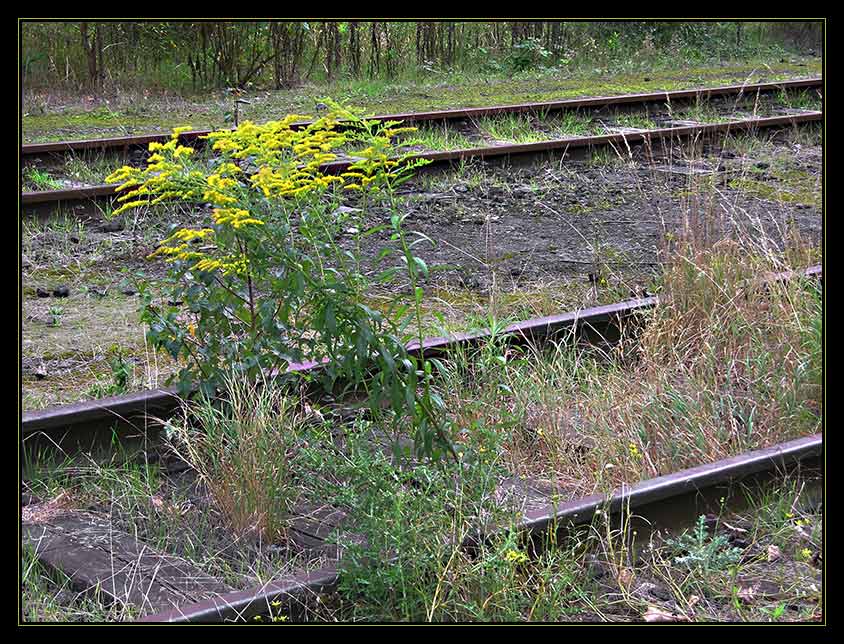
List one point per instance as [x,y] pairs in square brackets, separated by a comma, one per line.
[645,494]
[647,498]
[69,194]
[136,409]
[556,145]
[36,149]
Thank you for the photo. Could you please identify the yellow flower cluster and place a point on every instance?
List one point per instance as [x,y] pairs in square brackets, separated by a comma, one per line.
[219,190]
[287,156]
[165,176]
[235,217]
[515,556]
[273,142]
[177,246]
[374,163]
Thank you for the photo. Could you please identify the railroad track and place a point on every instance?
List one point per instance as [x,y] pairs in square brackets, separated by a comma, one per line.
[124,143]
[79,199]
[659,501]
[665,501]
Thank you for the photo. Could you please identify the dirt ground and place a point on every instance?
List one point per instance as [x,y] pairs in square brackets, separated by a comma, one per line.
[509,226]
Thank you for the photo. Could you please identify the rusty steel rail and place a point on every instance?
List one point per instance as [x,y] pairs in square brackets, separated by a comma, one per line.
[136,409]
[649,499]
[552,146]
[193,136]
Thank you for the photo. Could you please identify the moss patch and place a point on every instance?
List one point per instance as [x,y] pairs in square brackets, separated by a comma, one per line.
[209,111]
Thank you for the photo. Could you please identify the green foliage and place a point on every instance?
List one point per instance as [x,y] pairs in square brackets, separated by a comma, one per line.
[276,278]
[121,376]
[56,313]
[702,553]
[215,54]
[35,179]
[528,54]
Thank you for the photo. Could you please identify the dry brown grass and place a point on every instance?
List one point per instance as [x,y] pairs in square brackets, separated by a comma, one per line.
[242,454]
[720,368]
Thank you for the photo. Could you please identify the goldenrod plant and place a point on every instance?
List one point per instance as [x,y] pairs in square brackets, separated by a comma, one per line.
[267,281]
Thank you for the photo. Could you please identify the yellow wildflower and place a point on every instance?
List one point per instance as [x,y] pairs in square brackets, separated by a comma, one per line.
[515,556]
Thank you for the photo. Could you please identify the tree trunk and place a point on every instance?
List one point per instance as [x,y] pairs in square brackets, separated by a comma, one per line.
[375,50]
[98,40]
[90,54]
[354,48]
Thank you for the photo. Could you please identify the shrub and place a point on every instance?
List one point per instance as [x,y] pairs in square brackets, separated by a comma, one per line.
[267,282]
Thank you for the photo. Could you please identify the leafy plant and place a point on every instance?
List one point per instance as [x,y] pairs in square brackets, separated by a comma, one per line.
[528,54]
[270,281]
[121,374]
[56,313]
[703,553]
[40,179]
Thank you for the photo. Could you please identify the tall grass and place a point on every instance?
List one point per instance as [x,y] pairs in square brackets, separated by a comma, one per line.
[720,367]
[242,452]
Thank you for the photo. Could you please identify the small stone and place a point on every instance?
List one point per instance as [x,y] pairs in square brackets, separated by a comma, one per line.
[345,210]
[654,591]
[471,282]
[596,569]
[113,226]
[738,542]
[461,188]
[61,291]
[41,372]
[774,553]
[64,598]
[40,292]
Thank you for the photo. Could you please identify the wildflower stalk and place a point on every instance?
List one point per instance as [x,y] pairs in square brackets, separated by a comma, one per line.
[271,252]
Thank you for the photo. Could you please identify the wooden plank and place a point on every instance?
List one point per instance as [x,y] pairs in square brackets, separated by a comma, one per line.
[316,527]
[96,557]
[523,495]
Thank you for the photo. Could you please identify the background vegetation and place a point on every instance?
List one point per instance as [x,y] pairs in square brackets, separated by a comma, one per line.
[203,55]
